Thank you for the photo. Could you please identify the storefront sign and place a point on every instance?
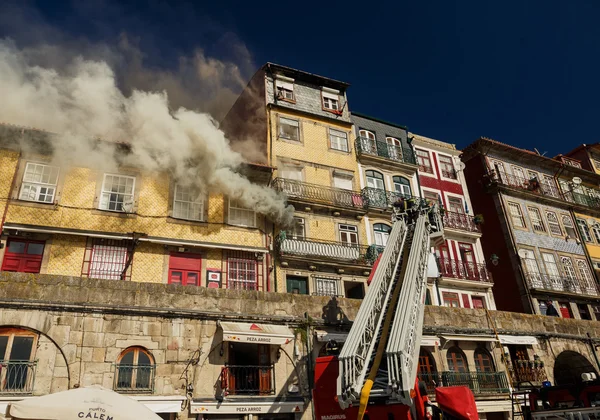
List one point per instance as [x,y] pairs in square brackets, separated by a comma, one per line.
[241,408]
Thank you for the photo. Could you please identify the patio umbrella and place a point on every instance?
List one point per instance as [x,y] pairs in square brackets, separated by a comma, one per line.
[93,402]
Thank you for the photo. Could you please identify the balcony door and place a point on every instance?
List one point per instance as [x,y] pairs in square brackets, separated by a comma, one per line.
[402,186]
[377,196]
[23,256]
[531,268]
[293,180]
[343,182]
[367,142]
[445,263]
[394,148]
[250,369]
[382,234]
[455,205]
[555,281]
[570,276]
[468,261]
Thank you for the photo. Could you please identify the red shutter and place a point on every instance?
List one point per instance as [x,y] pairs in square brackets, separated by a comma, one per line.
[565,311]
[184,269]
[465,299]
[23,262]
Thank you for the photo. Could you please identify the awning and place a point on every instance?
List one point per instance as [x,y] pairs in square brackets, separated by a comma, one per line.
[487,338]
[325,336]
[245,332]
[161,404]
[518,339]
[430,341]
[246,407]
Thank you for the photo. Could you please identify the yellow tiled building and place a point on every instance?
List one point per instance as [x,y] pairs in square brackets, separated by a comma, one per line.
[304,129]
[123,224]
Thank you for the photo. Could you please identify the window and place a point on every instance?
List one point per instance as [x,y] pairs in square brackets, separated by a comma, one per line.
[586,275]
[240,215]
[553,224]
[478,302]
[516,215]
[375,180]
[338,140]
[135,371]
[549,186]
[297,285]
[241,274]
[427,372]
[117,193]
[326,286]
[424,161]
[431,197]
[291,179]
[17,348]
[447,167]
[567,264]
[584,312]
[455,205]
[531,268]
[451,299]
[39,183]
[596,230]
[285,89]
[342,181]
[585,230]
[289,129]
[331,100]
[296,231]
[107,260]
[188,204]
[519,174]
[565,309]
[23,256]
[382,233]
[568,225]
[402,186]
[394,147]
[185,269]
[536,219]
[457,362]
[551,267]
[483,361]
[366,134]
[348,234]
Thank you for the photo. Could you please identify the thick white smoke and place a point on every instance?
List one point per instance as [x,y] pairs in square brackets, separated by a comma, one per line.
[81,101]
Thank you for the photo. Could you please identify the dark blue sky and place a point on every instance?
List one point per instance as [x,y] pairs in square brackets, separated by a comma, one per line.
[524,73]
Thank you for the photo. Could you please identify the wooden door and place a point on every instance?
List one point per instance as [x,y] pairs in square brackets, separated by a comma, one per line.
[264,360]
[23,256]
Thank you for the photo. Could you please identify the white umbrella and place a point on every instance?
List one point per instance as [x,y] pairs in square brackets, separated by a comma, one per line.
[94,402]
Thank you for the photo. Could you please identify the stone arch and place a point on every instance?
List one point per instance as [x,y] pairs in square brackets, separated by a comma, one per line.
[568,367]
[50,369]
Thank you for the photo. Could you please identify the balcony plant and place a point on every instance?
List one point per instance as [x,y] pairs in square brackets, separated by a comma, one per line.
[478,219]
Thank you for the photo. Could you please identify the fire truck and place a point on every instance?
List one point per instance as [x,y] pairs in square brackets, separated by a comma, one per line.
[374,376]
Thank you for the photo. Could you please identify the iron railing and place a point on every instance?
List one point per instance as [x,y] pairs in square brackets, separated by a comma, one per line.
[365,146]
[318,193]
[377,198]
[327,286]
[136,379]
[561,283]
[17,377]
[464,270]
[460,221]
[530,184]
[478,382]
[583,199]
[528,371]
[317,248]
[248,380]
[431,380]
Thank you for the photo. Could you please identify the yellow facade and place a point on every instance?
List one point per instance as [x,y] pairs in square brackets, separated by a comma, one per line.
[75,209]
[593,247]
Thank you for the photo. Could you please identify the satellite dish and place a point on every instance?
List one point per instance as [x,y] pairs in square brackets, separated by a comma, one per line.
[461,166]
[127,205]
[576,180]
[523,253]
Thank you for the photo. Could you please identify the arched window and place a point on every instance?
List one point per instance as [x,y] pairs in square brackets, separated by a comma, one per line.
[382,233]
[483,361]
[135,371]
[17,350]
[394,146]
[402,186]
[457,362]
[366,134]
[367,142]
[427,371]
[375,180]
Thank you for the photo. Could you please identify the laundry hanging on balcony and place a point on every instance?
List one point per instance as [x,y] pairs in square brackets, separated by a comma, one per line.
[246,332]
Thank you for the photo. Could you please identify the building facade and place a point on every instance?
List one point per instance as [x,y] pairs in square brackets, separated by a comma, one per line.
[531,229]
[464,280]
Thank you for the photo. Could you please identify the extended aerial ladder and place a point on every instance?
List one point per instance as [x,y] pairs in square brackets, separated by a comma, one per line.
[380,356]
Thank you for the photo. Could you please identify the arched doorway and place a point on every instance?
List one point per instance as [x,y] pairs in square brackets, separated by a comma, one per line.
[569,366]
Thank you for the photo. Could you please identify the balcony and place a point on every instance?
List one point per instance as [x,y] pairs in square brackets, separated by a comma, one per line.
[134,379]
[248,380]
[382,151]
[462,222]
[532,185]
[312,194]
[583,199]
[328,250]
[528,371]
[464,270]
[480,383]
[375,198]
[17,377]
[561,284]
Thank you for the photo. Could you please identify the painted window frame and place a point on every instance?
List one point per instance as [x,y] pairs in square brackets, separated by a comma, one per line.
[104,203]
[178,204]
[34,182]
[241,209]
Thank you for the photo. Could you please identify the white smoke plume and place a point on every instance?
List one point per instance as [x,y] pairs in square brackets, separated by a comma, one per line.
[81,101]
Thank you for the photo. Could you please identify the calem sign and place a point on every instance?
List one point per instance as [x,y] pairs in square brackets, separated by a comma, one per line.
[95,413]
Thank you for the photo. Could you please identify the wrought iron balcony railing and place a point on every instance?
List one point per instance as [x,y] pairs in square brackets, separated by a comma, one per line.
[461,221]
[464,270]
[382,199]
[583,199]
[319,193]
[479,382]
[528,371]
[365,146]
[331,250]
[248,380]
[134,379]
[562,284]
[533,184]
[17,377]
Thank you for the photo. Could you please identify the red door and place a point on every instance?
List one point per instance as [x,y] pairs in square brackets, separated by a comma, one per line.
[23,256]
[184,269]
[565,310]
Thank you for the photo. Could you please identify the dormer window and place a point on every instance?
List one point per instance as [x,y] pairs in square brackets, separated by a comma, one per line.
[331,99]
[284,88]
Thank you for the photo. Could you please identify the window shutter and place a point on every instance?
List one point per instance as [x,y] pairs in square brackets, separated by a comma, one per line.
[465,299]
